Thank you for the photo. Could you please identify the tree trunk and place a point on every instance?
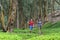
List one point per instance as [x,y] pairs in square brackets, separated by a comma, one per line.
[45,10]
[2,21]
[12,15]
[52,9]
[20,12]
[2,18]
[17,17]
[21,15]
[40,11]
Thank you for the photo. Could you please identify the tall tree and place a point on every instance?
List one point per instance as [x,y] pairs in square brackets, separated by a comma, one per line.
[12,15]
[52,9]
[40,9]
[21,15]
[45,10]
[17,16]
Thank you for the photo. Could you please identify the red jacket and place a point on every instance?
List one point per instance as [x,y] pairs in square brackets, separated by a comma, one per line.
[31,23]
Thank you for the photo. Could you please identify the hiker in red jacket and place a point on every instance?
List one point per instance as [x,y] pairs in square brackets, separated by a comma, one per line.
[31,24]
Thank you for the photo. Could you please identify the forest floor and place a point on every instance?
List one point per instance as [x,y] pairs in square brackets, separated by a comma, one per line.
[49,32]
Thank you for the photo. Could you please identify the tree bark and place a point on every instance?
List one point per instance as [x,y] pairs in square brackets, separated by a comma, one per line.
[12,15]
[17,17]
[45,10]
[52,9]
[21,15]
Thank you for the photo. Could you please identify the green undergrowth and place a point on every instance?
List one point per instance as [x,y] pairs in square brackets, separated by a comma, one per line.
[49,32]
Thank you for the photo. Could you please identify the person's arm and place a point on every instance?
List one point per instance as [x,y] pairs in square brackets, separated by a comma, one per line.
[41,23]
[27,22]
[33,24]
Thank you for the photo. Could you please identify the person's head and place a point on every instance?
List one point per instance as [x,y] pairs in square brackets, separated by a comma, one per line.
[31,19]
[39,19]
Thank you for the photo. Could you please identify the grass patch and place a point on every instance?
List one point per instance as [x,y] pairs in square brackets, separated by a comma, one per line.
[48,33]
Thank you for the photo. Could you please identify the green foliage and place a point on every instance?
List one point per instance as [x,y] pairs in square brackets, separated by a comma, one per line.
[46,37]
[20,34]
[29,7]
[9,36]
[5,5]
[48,24]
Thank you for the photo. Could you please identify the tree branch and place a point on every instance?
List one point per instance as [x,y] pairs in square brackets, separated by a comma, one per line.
[57,2]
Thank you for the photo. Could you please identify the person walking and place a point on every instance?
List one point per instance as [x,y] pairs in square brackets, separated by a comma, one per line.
[39,23]
[31,25]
